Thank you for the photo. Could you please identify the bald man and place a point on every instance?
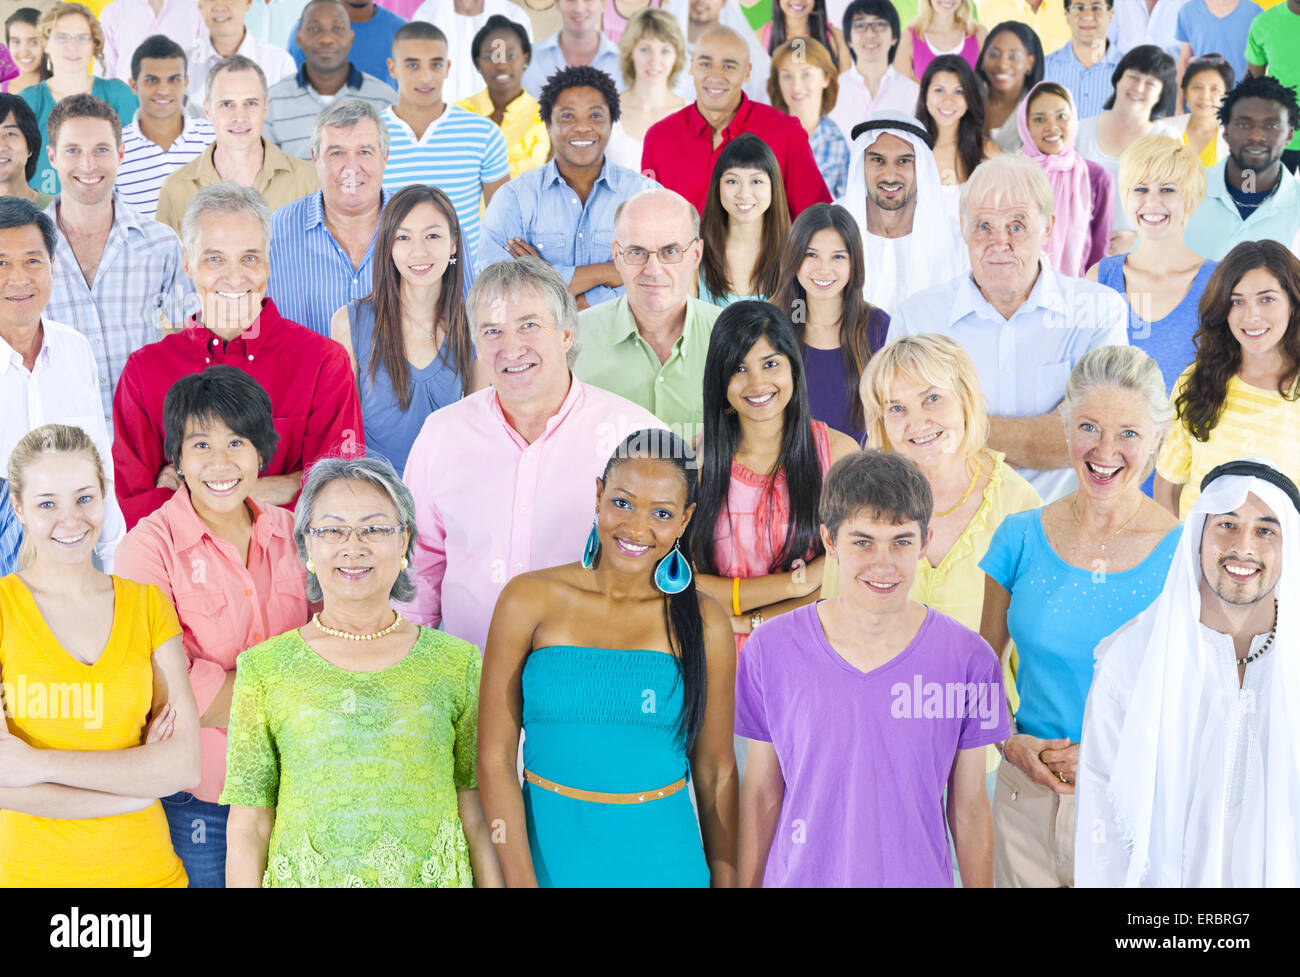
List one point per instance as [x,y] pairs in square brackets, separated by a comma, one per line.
[649,345]
[680,151]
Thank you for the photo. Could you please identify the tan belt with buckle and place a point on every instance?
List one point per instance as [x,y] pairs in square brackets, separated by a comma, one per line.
[600,797]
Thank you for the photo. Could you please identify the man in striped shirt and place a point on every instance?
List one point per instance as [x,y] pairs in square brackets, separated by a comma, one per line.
[11,533]
[1085,65]
[162,137]
[435,143]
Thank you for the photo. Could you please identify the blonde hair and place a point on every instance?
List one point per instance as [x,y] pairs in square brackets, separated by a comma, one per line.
[1121,368]
[1002,181]
[45,26]
[1160,159]
[936,361]
[925,17]
[656,23]
[46,439]
[813,52]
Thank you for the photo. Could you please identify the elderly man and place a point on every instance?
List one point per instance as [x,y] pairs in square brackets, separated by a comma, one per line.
[1187,771]
[321,245]
[325,36]
[504,479]
[564,212]
[1024,325]
[119,279]
[48,374]
[680,150]
[650,345]
[579,41]
[224,34]
[894,192]
[309,377]
[236,107]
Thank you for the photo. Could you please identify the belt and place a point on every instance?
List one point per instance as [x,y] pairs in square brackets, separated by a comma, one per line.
[600,797]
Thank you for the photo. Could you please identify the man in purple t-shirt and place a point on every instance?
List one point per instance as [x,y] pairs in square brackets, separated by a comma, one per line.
[862,708]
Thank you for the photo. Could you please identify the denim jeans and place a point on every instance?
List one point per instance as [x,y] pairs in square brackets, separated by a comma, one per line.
[199,836]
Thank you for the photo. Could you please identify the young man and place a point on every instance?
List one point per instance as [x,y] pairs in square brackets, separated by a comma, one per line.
[861,709]
[870,84]
[579,42]
[224,34]
[374,30]
[1215,27]
[162,137]
[433,142]
[1273,46]
[1084,66]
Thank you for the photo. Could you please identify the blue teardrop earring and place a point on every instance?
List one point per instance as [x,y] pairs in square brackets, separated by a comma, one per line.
[592,549]
[673,574]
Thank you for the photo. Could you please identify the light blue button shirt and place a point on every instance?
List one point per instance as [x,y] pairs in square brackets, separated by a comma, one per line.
[1089,86]
[1216,227]
[1023,362]
[548,59]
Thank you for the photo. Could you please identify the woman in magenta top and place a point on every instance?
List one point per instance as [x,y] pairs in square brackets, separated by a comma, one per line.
[940,27]
[229,565]
[757,549]
[614,22]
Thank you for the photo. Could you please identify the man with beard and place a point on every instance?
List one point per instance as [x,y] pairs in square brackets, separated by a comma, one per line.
[1250,195]
[1188,766]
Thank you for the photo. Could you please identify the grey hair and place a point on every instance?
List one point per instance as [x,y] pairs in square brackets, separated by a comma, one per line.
[236,62]
[226,198]
[345,113]
[508,278]
[660,191]
[377,472]
[1003,181]
[1123,368]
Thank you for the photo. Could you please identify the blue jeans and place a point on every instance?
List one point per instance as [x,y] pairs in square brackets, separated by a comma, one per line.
[199,836]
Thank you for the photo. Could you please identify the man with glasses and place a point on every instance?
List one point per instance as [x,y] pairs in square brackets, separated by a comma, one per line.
[1084,66]
[650,345]
[871,84]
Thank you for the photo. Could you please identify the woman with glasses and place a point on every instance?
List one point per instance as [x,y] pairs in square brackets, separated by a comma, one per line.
[72,38]
[353,751]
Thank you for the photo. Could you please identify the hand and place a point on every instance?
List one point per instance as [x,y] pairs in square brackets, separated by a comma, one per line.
[740,625]
[517,247]
[1026,752]
[1064,762]
[19,763]
[162,726]
[168,479]
[807,579]
[276,489]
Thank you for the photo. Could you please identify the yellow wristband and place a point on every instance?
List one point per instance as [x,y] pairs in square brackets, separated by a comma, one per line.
[735,596]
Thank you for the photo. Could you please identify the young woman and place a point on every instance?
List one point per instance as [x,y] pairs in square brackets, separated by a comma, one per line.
[951,108]
[1144,92]
[941,27]
[72,39]
[804,84]
[621,674]
[1083,193]
[745,221]
[25,48]
[501,52]
[1204,84]
[20,137]
[821,274]
[618,16]
[1242,394]
[409,338]
[1010,64]
[755,538]
[652,56]
[805,18]
[101,721]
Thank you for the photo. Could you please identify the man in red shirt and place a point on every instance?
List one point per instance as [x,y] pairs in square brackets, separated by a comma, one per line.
[309,378]
[680,151]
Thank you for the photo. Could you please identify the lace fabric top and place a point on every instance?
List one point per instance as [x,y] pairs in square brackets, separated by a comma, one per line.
[362,768]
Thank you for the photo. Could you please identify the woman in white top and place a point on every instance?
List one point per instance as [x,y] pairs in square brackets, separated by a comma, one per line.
[651,54]
[1010,64]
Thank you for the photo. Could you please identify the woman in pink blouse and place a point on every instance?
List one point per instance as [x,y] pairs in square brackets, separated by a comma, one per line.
[230,566]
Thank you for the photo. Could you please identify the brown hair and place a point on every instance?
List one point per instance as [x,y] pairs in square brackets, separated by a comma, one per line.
[46,439]
[877,482]
[45,27]
[81,106]
[814,53]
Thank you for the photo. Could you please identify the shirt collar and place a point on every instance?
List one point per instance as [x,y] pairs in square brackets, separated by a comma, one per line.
[188,528]
[354,77]
[551,174]
[263,329]
[1046,295]
[700,125]
[571,400]
[11,357]
[625,328]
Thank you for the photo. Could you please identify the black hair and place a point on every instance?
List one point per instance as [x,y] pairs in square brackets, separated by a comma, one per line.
[872,8]
[1071,3]
[1209,62]
[1263,86]
[418,30]
[496,24]
[578,76]
[970,129]
[1153,61]
[25,120]
[158,46]
[17,212]
[682,610]
[1028,38]
[737,329]
[221,391]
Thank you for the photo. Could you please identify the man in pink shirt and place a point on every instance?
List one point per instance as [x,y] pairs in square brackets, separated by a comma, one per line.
[505,480]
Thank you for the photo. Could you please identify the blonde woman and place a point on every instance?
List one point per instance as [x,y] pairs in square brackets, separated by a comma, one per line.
[652,56]
[941,27]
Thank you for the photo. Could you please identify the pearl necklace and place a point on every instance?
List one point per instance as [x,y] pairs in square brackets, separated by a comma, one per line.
[1271,635]
[349,636]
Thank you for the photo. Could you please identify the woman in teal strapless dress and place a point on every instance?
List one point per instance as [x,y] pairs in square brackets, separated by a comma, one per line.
[623,678]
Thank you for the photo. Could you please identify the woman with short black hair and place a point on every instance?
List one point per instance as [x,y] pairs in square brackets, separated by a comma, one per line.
[20,137]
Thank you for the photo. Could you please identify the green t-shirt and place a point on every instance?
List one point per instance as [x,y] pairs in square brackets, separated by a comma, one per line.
[1274,40]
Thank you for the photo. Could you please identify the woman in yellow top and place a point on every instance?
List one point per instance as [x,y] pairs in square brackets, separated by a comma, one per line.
[501,52]
[85,660]
[1205,82]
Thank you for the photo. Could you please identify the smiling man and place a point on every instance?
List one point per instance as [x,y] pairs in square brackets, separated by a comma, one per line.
[309,377]
[578,42]
[224,35]
[503,479]
[373,30]
[1084,66]
[870,84]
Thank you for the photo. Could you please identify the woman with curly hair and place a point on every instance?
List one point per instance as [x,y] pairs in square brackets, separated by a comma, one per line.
[1242,395]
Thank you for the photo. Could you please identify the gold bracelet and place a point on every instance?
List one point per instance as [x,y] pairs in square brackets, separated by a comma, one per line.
[735,596]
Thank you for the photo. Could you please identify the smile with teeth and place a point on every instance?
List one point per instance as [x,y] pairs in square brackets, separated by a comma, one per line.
[1153,218]
[761,401]
[221,488]
[1101,473]
[1255,333]
[880,586]
[924,439]
[521,368]
[629,548]
[1241,570]
[824,283]
[73,541]
[353,573]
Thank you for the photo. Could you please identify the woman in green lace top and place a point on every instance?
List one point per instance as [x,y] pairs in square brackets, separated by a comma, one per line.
[353,739]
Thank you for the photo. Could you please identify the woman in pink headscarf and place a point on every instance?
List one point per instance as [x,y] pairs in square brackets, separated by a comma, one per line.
[1083,192]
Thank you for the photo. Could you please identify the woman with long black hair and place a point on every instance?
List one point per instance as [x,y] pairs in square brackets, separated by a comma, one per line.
[809,19]
[620,672]
[1010,64]
[951,107]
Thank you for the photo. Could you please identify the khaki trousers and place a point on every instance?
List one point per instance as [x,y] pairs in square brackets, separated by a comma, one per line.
[1033,829]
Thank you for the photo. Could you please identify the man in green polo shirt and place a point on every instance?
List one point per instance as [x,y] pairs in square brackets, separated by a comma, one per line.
[1273,47]
[649,345]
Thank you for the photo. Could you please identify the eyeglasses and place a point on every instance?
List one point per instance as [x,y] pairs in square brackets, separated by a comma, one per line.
[1096,9]
[874,26]
[78,39]
[669,255]
[337,535]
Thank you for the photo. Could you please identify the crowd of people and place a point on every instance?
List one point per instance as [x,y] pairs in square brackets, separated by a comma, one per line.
[650,443]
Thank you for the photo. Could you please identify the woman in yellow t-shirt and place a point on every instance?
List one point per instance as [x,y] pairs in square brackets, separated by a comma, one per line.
[85,660]
[1241,397]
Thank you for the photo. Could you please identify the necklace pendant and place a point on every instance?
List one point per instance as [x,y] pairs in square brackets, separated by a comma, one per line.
[1103,547]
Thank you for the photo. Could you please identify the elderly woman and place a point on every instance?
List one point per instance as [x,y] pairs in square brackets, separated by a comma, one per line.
[353,739]
[1060,579]
[219,434]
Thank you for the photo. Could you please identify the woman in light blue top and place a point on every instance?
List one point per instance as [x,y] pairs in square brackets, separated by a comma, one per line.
[409,338]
